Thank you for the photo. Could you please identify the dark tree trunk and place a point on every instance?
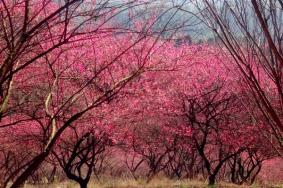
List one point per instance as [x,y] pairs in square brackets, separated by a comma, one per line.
[36,162]
[83,184]
[211,179]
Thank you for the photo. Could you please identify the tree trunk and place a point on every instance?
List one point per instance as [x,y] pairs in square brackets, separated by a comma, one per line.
[211,180]
[33,166]
[83,184]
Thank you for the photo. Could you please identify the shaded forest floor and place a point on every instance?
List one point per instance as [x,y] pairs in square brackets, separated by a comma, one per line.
[157,183]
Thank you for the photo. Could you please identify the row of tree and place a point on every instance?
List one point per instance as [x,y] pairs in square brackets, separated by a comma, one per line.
[77,86]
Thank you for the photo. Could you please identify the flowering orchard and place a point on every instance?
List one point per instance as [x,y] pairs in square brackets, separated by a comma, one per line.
[82,96]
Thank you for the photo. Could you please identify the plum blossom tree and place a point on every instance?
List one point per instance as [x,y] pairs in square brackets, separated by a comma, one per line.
[60,61]
[199,103]
[78,154]
[251,33]
[245,167]
[208,116]
[69,90]
[68,70]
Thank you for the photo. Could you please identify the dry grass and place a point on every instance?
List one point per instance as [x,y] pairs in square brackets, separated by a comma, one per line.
[156,183]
